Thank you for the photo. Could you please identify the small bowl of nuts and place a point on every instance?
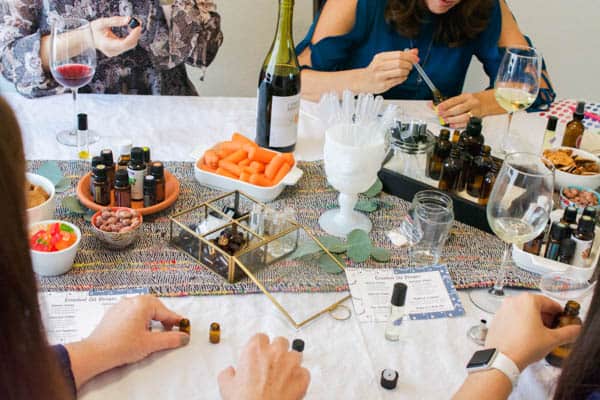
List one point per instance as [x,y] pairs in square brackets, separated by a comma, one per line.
[118,227]
[578,197]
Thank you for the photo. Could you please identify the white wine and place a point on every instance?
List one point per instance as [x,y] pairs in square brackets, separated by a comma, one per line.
[512,230]
[513,100]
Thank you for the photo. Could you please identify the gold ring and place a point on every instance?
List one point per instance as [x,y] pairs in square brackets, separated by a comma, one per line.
[340,312]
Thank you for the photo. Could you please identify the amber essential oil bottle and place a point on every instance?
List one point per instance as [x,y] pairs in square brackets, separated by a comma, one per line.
[575,128]
[482,164]
[452,168]
[570,316]
[441,151]
[488,183]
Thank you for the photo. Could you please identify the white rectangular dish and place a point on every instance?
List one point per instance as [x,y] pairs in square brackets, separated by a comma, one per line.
[260,193]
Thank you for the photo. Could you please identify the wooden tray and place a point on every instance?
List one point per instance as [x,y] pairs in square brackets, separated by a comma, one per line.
[171,195]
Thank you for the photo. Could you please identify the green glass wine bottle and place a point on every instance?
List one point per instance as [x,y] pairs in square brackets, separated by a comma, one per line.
[279,88]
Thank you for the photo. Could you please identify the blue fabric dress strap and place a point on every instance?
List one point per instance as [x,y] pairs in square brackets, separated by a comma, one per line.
[64,362]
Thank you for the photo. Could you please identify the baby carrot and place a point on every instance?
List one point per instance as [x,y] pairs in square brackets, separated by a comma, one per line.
[285,168]
[260,180]
[238,137]
[230,146]
[258,167]
[289,158]
[226,173]
[224,152]
[237,156]
[206,168]
[274,165]
[211,158]
[244,163]
[245,176]
[259,154]
[230,167]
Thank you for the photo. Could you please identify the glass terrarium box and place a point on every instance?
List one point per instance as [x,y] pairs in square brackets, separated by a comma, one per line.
[240,238]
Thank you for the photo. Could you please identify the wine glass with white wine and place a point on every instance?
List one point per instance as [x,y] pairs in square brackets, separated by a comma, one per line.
[518,210]
[517,86]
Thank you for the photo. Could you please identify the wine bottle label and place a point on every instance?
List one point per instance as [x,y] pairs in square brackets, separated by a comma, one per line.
[582,255]
[284,120]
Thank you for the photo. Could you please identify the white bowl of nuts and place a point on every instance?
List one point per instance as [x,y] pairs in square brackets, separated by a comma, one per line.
[578,197]
[118,227]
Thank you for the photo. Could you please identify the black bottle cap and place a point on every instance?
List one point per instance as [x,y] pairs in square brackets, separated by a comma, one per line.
[586,225]
[82,123]
[107,157]
[444,134]
[121,178]
[474,126]
[146,150]
[552,121]
[567,248]
[580,110]
[99,171]
[570,215]
[137,155]
[134,22]
[389,378]
[97,160]
[399,294]
[157,169]
[590,212]
[149,182]
[298,345]
[558,231]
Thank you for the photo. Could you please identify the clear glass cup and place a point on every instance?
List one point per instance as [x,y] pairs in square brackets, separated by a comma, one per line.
[427,226]
[73,64]
[566,285]
[516,87]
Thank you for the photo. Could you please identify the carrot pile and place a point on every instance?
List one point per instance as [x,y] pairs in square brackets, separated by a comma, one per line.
[241,158]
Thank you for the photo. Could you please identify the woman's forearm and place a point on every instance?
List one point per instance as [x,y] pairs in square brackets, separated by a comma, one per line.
[491,385]
[88,360]
[69,43]
[315,83]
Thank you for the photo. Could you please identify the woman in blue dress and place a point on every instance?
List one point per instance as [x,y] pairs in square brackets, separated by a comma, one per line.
[371,45]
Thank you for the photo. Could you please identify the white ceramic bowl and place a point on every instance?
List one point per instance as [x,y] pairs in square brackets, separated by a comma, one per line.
[56,262]
[116,240]
[565,179]
[44,211]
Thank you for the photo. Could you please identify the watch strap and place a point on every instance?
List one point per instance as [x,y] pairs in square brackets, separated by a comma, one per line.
[507,366]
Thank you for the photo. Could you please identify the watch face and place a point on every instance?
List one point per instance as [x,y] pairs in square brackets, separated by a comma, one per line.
[481,358]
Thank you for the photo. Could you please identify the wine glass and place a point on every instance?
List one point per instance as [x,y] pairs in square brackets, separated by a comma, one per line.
[565,285]
[518,210]
[517,86]
[72,63]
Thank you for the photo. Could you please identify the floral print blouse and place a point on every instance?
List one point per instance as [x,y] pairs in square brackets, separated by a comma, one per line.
[155,66]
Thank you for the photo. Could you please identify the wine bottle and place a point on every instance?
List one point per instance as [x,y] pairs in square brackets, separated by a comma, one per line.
[279,88]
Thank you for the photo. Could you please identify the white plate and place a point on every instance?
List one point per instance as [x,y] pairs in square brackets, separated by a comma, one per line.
[541,265]
[260,193]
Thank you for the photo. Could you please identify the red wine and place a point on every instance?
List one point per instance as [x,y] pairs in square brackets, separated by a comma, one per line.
[279,88]
[74,75]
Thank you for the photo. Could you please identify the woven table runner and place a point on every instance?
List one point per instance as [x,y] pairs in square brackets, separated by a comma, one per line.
[472,255]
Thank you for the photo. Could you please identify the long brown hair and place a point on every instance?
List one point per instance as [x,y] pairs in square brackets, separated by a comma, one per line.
[29,368]
[580,376]
[461,23]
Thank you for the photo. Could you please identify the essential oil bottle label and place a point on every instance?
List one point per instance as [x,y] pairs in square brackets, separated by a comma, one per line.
[284,120]
[583,251]
[136,180]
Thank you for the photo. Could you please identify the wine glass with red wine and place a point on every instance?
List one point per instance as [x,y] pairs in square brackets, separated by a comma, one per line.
[72,63]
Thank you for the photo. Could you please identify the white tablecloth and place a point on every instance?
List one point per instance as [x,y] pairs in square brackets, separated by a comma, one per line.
[345,358]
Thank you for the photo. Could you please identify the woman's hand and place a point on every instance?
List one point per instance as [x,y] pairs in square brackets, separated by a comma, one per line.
[123,337]
[110,44]
[457,111]
[266,371]
[388,69]
[520,329]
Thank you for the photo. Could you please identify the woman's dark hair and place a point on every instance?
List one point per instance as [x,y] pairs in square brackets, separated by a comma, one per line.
[461,23]
[580,375]
[29,368]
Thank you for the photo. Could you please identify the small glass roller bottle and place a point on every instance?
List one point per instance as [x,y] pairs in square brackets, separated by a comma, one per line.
[83,137]
[149,191]
[394,327]
[214,333]
[157,170]
[101,191]
[122,189]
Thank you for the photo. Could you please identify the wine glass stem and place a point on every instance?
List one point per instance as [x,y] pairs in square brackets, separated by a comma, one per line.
[498,289]
[506,144]
[76,124]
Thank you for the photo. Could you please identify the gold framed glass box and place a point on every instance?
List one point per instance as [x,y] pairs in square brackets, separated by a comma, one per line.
[240,238]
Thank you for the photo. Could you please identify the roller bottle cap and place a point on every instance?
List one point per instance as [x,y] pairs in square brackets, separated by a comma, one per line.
[107,157]
[579,111]
[97,161]
[298,345]
[399,294]
[82,122]
[474,126]
[137,155]
[389,378]
[552,122]
[570,215]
